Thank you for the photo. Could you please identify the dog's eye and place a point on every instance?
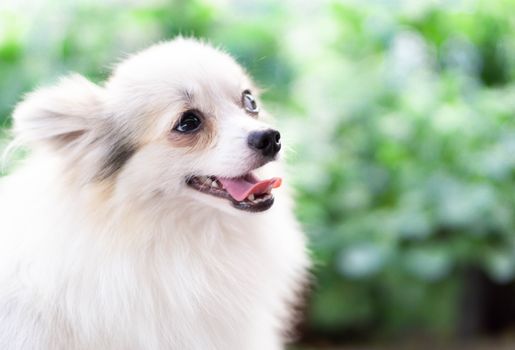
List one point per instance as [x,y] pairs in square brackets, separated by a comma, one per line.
[190,121]
[249,102]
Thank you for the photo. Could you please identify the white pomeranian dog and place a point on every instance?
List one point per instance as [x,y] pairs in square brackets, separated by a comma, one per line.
[144,217]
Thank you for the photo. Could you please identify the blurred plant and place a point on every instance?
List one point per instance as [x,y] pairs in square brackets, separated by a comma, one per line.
[408,171]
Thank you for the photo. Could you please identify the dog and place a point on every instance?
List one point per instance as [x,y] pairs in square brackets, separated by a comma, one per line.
[150,212]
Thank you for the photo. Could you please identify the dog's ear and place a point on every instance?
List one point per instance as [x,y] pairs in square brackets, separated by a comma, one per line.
[61,115]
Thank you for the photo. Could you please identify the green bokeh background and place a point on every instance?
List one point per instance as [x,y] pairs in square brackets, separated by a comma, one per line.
[400,121]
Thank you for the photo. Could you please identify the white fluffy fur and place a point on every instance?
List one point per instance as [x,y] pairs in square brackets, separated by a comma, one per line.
[136,259]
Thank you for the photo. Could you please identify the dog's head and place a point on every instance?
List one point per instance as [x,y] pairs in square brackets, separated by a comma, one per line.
[180,119]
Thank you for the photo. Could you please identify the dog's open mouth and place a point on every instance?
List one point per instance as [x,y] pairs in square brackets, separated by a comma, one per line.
[246,192]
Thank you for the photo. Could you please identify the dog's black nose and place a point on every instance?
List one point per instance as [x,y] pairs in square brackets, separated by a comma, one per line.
[268,142]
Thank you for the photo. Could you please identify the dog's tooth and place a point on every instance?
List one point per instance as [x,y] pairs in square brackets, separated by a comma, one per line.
[208,182]
[215,184]
[251,197]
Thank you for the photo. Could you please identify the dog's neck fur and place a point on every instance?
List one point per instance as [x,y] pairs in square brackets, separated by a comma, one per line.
[116,276]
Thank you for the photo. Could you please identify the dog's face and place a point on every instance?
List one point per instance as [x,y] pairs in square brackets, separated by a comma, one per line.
[180,119]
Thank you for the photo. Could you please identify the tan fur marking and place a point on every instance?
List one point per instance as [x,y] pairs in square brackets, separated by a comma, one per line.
[196,141]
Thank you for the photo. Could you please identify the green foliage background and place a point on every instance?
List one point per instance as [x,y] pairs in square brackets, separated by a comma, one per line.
[400,116]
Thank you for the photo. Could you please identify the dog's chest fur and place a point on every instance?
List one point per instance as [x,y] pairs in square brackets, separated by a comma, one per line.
[204,281]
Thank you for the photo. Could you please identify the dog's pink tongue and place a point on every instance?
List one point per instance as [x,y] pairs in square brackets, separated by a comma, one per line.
[241,188]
